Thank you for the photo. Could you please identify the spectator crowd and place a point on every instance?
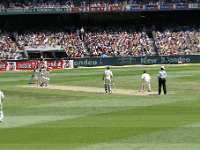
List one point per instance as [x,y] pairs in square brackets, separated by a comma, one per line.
[177,41]
[104,42]
[81,43]
[8,48]
[96,41]
[82,3]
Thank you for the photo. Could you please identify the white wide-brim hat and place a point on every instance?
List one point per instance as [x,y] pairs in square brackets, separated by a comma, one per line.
[162,67]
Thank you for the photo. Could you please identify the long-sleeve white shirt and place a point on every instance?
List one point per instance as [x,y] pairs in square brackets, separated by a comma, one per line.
[108,74]
[146,77]
[162,74]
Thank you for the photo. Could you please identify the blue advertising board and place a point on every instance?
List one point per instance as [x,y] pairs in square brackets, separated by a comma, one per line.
[135,7]
[165,7]
[145,60]
[181,6]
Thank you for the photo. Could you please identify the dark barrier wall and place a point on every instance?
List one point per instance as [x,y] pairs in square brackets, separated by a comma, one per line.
[136,60]
[119,61]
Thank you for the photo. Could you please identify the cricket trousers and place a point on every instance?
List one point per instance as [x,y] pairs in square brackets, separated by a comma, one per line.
[1,111]
[107,86]
[162,83]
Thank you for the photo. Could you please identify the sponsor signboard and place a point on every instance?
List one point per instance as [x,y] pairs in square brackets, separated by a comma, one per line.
[181,6]
[77,9]
[136,7]
[26,65]
[166,6]
[90,62]
[11,66]
[96,9]
[55,64]
[3,66]
[116,8]
[67,64]
[151,7]
[193,6]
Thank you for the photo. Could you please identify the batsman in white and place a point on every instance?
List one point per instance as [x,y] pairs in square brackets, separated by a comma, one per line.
[1,106]
[145,81]
[107,78]
[37,76]
[44,77]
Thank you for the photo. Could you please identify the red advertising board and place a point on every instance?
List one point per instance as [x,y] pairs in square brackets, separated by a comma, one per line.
[11,66]
[77,9]
[96,9]
[31,64]
[55,64]
[116,8]
[26,65]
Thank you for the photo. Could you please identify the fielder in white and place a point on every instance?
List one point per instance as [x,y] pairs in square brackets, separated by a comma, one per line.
[1,106]
[146,79]
[107,78]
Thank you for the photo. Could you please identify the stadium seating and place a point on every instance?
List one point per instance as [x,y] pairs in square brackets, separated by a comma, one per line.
[108,42]
[8,48]
[111,41]
[177,41]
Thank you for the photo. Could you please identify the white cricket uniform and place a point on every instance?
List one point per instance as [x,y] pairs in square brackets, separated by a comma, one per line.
[108,79]
[44,77]
[1,106]
[145,80]
[108,74]
[37,74]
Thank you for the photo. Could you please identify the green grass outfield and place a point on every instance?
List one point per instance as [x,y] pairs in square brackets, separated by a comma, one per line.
[40,119]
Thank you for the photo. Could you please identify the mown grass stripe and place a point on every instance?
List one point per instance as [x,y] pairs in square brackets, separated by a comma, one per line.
[19,121]
[143,146]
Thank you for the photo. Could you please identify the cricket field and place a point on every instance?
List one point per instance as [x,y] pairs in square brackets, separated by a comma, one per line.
[68,119]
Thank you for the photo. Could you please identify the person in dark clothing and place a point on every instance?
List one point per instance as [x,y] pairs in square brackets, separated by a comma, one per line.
[162,80]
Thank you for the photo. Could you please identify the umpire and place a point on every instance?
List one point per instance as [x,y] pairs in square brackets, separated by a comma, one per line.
[162,80]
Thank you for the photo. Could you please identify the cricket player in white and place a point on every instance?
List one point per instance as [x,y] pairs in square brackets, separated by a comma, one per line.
[44,78]
[37,76]
[107,78]
[1,106]
[145,81]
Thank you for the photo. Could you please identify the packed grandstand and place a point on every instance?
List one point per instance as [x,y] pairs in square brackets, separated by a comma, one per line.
[84,40]
[105,43]
[82,3]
